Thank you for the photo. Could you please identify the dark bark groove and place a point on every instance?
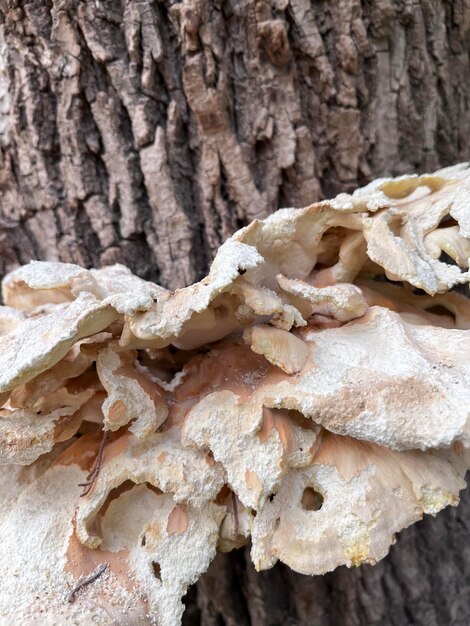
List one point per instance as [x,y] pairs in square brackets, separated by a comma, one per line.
[146,132]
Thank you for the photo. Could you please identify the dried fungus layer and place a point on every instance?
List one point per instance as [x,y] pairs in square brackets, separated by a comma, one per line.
[311,396]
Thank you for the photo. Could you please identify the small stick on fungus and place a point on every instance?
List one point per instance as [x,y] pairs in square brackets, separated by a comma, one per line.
[86,581]
[235,513]
[95,468]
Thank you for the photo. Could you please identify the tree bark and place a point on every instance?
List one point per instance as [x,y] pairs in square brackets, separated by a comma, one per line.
[146,132]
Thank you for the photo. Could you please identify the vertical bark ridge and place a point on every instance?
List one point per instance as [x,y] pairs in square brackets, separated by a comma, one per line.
[157,129]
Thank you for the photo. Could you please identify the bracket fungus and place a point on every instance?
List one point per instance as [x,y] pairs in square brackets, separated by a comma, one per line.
[310,397]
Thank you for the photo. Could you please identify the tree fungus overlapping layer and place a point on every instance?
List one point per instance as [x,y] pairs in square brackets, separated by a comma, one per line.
[311,396]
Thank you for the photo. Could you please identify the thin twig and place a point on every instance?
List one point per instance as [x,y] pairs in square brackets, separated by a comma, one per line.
[86,581]
[235,513]
[95,468]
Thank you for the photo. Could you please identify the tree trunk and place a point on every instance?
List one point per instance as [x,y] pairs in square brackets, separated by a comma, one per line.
[146,132]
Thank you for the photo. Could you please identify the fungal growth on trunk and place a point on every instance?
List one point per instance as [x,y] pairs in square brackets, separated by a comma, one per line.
[309,397]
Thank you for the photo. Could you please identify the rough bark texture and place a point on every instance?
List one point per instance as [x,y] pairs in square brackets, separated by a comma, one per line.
[146,132]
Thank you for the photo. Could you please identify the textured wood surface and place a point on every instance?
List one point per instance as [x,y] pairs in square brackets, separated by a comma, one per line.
[146,132]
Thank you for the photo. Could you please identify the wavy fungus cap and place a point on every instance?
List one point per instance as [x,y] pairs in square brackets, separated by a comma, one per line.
[311,396]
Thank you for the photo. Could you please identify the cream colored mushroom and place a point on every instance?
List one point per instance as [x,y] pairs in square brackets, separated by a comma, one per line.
[170,546]
[450,241]
[343,302]
[26,434]
[255,447]
[161,461]
[345,508]
[42,282]
[175,314]
[76,362]
[131,395]
[364,379]
[39,571]
[42,340]
[294,395]
[279,347]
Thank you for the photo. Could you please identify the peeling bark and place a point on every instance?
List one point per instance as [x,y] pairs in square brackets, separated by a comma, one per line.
[147,132]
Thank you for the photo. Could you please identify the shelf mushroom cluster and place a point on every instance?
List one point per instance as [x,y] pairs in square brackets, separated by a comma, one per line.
[310,396]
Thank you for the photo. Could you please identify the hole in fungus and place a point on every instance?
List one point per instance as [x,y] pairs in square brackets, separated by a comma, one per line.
[156,570]
[438,309]
[311,500]
[127,485]
[143,541]
[223,494]
[446,258]
[330,246]
[163,364]
[396,224]
[115,493]
[271,497]
[447,221]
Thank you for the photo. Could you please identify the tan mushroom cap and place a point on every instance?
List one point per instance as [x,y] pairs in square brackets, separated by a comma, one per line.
[450,241]
[376,378]
[394,217]
[38,283]
[382,379]
[213,308]
[131,394]
[342,302]
[161,461]
[279,347]
[42,567]
[255,446]
[75,363]
[396,223]
[64,303]
[42,282]
[40,341]
[26,434]
[177,313]
[170,545]
[365,494]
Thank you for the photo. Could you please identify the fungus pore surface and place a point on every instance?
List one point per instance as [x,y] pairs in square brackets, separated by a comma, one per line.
[309,397]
